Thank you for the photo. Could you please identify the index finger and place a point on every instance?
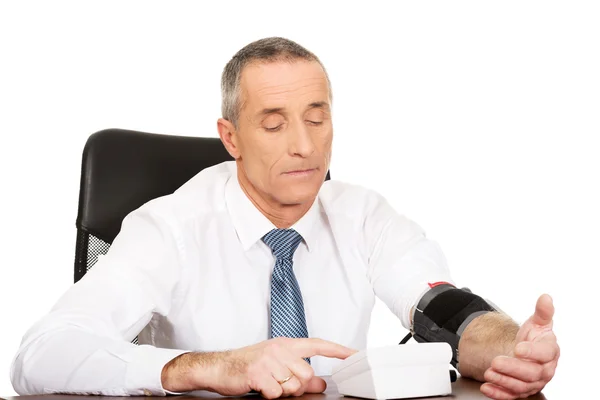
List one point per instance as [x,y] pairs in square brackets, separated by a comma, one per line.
[537,351]
[310,347]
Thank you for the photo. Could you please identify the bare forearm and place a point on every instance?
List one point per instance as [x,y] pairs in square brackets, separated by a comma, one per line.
[486,337]
[192,371]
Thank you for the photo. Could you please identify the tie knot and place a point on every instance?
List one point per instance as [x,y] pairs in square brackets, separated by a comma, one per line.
[283,242]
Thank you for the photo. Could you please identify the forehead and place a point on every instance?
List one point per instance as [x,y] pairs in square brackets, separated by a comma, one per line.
[283,84]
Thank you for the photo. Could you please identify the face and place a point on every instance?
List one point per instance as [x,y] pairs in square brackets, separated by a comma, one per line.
[284,135]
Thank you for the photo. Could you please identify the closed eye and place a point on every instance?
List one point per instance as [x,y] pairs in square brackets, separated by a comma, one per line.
[275,129]
[315,123]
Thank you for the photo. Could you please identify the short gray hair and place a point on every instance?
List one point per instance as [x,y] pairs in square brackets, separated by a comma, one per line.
[265,50]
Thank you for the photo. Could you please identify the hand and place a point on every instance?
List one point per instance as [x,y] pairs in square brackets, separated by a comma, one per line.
[260,367]
[531,364]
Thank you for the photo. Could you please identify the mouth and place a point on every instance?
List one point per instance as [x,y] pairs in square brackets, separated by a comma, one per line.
[301,172]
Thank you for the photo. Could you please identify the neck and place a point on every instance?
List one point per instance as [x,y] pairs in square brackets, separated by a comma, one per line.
[281,215]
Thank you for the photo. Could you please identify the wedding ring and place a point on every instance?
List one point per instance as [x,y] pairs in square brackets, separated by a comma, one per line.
[285,380]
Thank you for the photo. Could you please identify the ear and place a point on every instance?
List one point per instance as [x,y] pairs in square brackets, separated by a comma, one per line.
[229,137]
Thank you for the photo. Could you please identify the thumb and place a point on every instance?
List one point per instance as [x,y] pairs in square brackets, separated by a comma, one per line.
[544,311]
[316,385]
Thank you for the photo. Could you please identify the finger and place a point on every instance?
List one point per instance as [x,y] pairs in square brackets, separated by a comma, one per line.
[292,386]
[269,388]
[544,311]
[497,393]
[549,370]
[538,388]
[280,373]
[310,347]
[305,374]
[316,385]
[514,385]
[542,352]
[301,370]
[527,371]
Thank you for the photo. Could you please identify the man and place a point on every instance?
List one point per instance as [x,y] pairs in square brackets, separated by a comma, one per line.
[257,275]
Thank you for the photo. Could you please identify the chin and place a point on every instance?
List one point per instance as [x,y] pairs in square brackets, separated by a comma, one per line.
[295,197]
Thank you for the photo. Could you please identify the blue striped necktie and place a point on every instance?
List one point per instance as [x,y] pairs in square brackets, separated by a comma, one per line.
[287,307]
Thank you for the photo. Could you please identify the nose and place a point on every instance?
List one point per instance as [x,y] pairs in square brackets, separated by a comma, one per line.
[301,142]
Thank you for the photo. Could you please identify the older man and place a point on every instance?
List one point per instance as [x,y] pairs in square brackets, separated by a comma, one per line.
[257,275]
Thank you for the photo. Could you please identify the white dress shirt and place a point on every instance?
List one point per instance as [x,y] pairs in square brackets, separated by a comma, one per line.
[189,272]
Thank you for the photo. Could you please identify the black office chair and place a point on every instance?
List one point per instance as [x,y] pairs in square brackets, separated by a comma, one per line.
[121,170]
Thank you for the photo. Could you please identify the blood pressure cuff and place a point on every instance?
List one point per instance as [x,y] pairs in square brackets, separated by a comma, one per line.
[444,312]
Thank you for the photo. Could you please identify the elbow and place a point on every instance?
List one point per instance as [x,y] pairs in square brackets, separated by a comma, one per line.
[23,377]
[40,362]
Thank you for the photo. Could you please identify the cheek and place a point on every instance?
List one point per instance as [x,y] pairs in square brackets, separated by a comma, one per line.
[267,156]
[326,135]
[267,161]
[324,141]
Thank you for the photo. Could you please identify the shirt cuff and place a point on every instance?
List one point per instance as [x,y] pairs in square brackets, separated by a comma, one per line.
[145,370]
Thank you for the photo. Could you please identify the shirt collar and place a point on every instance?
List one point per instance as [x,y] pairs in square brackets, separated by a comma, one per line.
[251,225]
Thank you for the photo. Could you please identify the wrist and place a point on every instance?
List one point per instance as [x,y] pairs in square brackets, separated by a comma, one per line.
[190,371]
[486,337]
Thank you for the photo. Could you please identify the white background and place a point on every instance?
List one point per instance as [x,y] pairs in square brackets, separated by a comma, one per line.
[478,120]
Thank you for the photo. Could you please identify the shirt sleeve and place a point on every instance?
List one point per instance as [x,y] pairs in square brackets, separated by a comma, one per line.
[83,345]
[402,261]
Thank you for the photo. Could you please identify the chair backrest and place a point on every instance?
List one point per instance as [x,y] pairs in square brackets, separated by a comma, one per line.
[121,170]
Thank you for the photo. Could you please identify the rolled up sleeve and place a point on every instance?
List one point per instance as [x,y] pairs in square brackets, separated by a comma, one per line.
[402,261]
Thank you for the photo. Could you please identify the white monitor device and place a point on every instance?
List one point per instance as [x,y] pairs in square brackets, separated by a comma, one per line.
[396,372]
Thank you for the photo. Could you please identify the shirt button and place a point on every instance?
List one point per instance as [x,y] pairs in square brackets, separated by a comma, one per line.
[147,392]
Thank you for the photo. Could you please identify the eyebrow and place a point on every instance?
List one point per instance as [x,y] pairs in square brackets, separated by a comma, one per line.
[316,104]
[319,104]
[266,111]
